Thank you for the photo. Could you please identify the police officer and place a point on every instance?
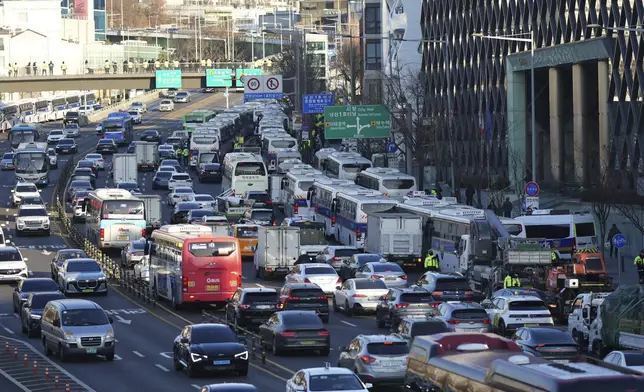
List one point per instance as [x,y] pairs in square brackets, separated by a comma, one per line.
[43,69]
[166,64]
[202,63]
[130,67]
[639,263]
[431,261]
[179,153]
[554,256]
[63,68]
[186,156]
[34,67]
[51,68]
[511,281]
[106,66]
[28,68]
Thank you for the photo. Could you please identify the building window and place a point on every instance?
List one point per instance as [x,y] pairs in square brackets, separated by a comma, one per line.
[374,54]
[313,46]
[372,19]
[316,60]
[374,91]
[99,5]
[329,5]
[1,43]
[99,21]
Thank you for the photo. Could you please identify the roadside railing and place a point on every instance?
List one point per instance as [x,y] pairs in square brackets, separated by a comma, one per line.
[253,342]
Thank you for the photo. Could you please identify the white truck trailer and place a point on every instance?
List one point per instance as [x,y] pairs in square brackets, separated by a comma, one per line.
[278,248]
[147,155]
[124,168]
[397,236]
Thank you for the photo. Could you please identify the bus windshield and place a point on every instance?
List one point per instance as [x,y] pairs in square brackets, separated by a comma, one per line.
[282,144]
[31,162]
[250,169]
[211,249]
[355,167]
[22,136]
[398,184]
[204,140]
[312,236]
[115,209]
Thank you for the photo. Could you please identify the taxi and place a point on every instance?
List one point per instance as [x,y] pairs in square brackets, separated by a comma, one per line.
[247,236]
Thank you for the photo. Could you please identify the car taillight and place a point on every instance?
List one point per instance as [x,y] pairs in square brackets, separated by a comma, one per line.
[124,134]
[339,281]
[435,304]
[296,208]
[486,321]
[244,306]
[184,283]
[239,281]
[401,306]
[279,306]
[287,334]
[99,160]
[315,208]
[367,359]
[335,259]
[294,298]
[269,202]
[101,234]
[359,296]
[323,297]
[307,280]
[376,277]
[143,233]
[333,220]
[404,277]
[323,332]
[453,322]
[358,234]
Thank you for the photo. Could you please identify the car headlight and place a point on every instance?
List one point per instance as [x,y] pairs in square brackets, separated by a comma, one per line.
[243,356]
[70,280]
[197,357]
[69,335]
[109,334]
[35,317]
[102,279]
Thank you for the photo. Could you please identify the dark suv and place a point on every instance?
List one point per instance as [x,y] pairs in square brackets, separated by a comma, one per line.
[252,306]
[403,302]
[447,286]
[410,327]
[305,296]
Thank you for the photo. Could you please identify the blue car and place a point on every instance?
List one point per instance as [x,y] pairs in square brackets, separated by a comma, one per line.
[160,180]
[7,162]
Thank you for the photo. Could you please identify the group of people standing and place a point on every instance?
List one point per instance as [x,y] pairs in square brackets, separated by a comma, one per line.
[35,69]
[142,66]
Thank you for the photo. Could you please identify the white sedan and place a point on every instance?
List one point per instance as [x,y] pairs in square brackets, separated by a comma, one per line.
[179,179]
[141,107]
[205,200]
[326,379]
[98,160]
[72,130]
[321,274]
[137,117]
[166,105]
[55,136]
[391,274]
[180,194]
[358,295]
[167,147]
[626,358]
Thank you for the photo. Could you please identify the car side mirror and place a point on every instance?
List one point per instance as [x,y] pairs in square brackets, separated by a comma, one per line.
[342,348]
[110,320]
[6,241]
[26,305]
[584,313]
[16,289]
[338,287]
[39,190]
[56,323]
[12,191]
[184,340]
[368,385]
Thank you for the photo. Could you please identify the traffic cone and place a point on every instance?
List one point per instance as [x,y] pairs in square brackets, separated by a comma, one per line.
[26,361]
[15,353]
[35,367]
[46,374]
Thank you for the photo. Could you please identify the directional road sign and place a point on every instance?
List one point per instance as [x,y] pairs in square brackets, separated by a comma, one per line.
[532,189]
[315,103]
[219,77]
[619,240]
[265,86]
[168,78]
[240,72]
[356,122]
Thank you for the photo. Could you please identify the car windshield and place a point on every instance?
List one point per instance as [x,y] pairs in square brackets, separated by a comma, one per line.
[32,200]
[212,249]
[346,252]
[528,306]
[66,142]
[127,185]
[133,113]
[417,298]
[84,317]
[170,162]
[307,293]
[428,328]
[371,284]
[134,104]
[452,284]
[137,246]
[10,255]
[166,102]
[283,143]
[106,141]
[335,382]
[150,133]
[320,271]
[634,359]
[261,215]
[8,156]
[217,334]
[56,133]
[307,320]
[32,212]
[83,266]
[94,156]
[552,336]
[39,301]
[388,348]
[386,267]
[212,167]
[163,174]
[470,314]
[51,151]
[26,188]
[35,285]
[72,254]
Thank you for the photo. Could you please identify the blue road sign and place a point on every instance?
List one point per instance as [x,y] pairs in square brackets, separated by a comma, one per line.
[252,96]
[315,103]
[619,240]
[305,127]
[391,147]
[532,189]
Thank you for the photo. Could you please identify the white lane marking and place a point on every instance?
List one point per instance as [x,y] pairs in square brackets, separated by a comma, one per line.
[117,357]
[195,386]
[14,381]
[348,323]
[259,285]
[166,355]
[165,369]
[138,354]
[8,330]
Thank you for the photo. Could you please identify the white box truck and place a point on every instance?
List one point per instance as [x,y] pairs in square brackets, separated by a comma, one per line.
[278,248]
[397,236]
[153,211]
[124,168]
[147,155]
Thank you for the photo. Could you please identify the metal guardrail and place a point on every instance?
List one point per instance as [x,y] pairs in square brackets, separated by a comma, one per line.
[253,342]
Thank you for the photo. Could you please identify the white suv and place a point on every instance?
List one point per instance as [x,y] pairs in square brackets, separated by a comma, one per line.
[32,218]
[24,189]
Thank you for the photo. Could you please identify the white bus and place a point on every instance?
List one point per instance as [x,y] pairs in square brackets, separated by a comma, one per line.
[297,184]
[351,211]
[44,110]
[271,144]
[27,109]
[564,230]
[345,165]
[321,155]
[202,142]
[31,163]
[321,196]
[391,182]
[114,218]
[243,172]
[286,154]
[58,108]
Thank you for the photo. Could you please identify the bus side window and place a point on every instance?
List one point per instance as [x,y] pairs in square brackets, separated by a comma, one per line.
[334,206]
[284,183]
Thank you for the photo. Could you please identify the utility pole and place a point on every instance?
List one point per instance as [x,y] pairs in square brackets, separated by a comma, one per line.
[298,53]
[352,55]
[409,156]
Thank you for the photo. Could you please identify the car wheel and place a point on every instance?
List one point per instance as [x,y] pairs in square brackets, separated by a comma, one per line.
[502,330]
[192,373]
[46,349]
[109,357]
[62,355]
[325,319]
[23,327]
[347,309]
[335,305]
[379,322]
[276,350]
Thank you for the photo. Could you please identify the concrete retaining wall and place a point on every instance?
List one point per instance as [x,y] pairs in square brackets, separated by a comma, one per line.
[102,114]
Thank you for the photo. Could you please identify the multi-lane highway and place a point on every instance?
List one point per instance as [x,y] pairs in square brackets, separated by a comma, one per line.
[145,334]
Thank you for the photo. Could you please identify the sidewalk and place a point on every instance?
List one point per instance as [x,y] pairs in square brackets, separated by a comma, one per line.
[628,275]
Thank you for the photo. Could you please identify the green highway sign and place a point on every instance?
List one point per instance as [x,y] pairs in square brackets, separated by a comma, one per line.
[168,78]
[356,122]
[246,72]
[219,77]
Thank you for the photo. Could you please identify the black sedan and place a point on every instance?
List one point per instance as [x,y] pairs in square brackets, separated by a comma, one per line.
[160,180]
[294,330]
[78,185]
[32,311]
[106,146]
[151,135]
[61,256]
[66,146]
[172,163]
[181,210]
[211,172]
[166,154]
[31,285]
[552,343]
[209,348]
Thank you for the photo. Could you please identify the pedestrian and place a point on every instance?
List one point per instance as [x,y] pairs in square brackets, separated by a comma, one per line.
[115,67]
[175,64]
[124,70]
[106,66]
[431,261]
[157,65]
[469,195]
[202,63]
[43,69]
[34,67]
[51,68]
[28,68]
[507,208]
[63,68]
[166,64]
[146,65]
[208,63]
[130,67]
[186,156]
[639,263]
[612,233]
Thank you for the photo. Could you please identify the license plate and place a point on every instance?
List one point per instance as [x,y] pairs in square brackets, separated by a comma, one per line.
[307,343]
[390,278]
[373,298]
[65,150]
[531,325]
[263,307]
[212,287]
[88,290]
[91,350]
[562,361]
[123,237]
[222,362]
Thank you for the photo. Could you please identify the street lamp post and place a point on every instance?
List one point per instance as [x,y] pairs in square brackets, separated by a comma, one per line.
[530,40]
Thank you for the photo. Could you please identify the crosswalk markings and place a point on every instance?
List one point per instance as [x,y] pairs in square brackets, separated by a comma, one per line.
[138,354]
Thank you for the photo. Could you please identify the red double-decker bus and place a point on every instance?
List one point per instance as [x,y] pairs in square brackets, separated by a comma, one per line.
[188,264]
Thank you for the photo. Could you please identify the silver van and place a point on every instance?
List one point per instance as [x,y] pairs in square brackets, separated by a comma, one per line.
[77,327]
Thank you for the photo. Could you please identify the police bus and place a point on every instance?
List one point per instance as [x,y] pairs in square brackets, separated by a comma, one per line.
[114,218]
[345,165]
[243,172]
[389,181]
[351,211]
[321,196]
[297,184]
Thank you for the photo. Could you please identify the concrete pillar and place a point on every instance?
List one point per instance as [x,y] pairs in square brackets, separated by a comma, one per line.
[602,116]
[579,122]
[557,144]
[516,125]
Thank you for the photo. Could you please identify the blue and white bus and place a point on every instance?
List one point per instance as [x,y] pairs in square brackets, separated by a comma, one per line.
[270,145]
[114,218]
[119,127]
[27,109]
[321,196]
[351,211]
[58,108]
[9,116]
[43,110]
[23,133]
[73,100]
[345,165]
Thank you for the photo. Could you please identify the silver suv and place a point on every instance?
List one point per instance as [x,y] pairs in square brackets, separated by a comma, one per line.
[380,359]
[77,327]
[32,218]
[464,317]
[82,276]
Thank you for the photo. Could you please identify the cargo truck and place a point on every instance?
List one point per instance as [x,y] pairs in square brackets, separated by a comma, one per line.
[278,248]
[153,211]
[124,168]
[147,155]
[397,236]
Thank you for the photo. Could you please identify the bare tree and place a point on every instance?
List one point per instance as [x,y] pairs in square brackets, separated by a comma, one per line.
[137,14]
[285,63]
[344,70]
[628,203]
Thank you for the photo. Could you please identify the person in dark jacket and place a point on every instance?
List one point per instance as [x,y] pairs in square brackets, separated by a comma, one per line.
[469,195]
[612,233]
[507,208]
